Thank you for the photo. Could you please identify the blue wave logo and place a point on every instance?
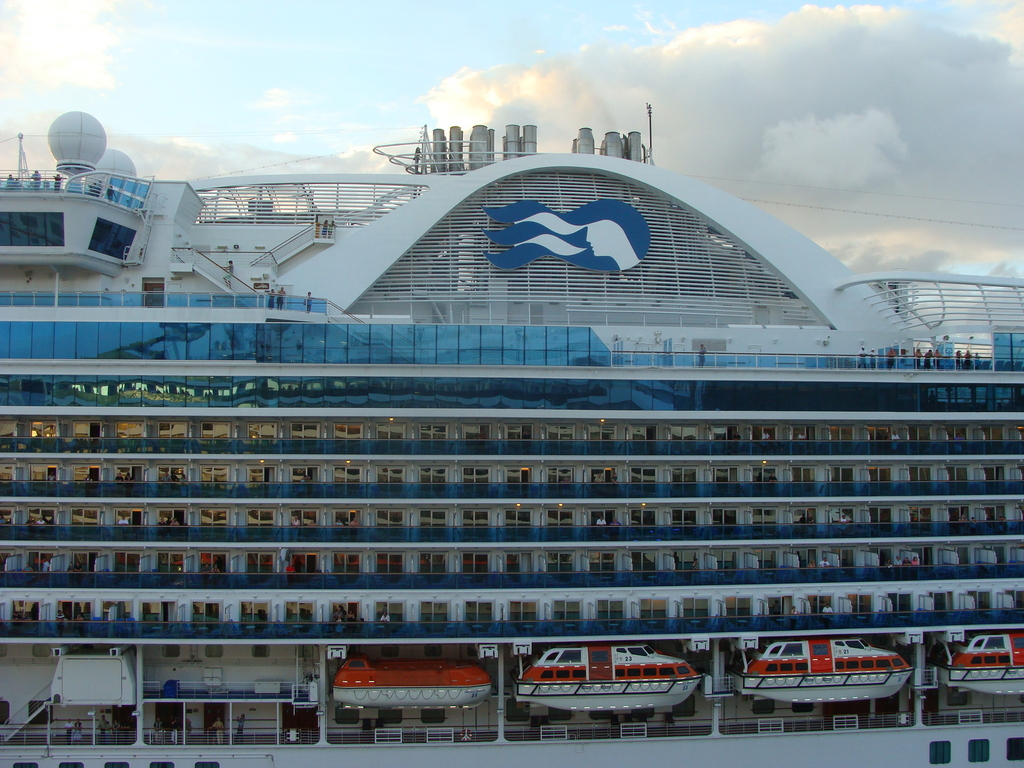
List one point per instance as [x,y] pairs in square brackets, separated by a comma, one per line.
[604,236]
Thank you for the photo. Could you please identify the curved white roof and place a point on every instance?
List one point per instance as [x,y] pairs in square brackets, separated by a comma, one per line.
[349,269]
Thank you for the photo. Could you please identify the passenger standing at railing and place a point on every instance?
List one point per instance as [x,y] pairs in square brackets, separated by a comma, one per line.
[56,182]
[309,301]
[701,354]
[37,180]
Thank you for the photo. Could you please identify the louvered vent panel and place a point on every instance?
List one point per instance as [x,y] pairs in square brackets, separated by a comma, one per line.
[354,204]
[692,275]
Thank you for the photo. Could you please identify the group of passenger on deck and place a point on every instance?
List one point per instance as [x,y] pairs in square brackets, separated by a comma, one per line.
[927,360]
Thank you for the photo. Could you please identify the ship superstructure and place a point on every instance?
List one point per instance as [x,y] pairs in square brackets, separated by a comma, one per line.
[306,469]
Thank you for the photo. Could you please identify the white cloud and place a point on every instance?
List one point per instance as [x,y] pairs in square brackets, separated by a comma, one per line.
[50,43]
[862,98]
[279,98]
[843,151]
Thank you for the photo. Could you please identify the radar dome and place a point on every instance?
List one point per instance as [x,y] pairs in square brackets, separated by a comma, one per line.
[116,161]
[77,142]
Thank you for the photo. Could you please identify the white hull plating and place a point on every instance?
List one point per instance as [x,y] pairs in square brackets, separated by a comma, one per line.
[460,696]
[1000,680]
[608,696]
[812,688]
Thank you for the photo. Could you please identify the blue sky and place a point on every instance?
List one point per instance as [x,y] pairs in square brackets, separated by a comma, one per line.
[910,109]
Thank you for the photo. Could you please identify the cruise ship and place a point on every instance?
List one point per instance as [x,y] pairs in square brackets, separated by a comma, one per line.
[505,458]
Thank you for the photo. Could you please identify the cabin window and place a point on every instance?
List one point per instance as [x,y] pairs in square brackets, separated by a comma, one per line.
[665,671]
[940,753]
[547,674]
[602,656]
[357,664]
[995,644]
[801,666]
[882,664]
[763,707]
[977,751]
[562,674]
[867,664]
[853,665]
[786,667]
[633,672]
[573,656]
[1015,747]
[579,673]
[840,665]
[650,671]
[772,668]
[1018,643]
[958,698]
[819,649]
[793,649]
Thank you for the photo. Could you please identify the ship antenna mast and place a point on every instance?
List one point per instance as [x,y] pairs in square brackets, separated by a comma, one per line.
[22,160]
[650,135]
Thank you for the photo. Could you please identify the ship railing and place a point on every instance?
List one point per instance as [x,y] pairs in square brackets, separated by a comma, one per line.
[554,579]
[812,492]
[605,449]
[58,735]
[719,686]
[754,725]
[669,359]
[177,690]
[115,188]
[925,677]
[413,735]
[649,729]
[226,300]
[256,732]
[342,533]
[975,716]
[401,631]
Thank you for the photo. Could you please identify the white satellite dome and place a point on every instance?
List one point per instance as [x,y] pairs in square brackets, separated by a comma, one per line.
[116,161]
[77,142]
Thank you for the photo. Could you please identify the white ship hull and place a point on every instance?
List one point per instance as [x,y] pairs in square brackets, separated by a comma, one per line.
[608,696]
[1002,681]
[823,688]
[413,697]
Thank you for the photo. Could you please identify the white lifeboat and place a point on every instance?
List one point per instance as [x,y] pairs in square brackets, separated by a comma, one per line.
[823,669]
[605,677]
[365,682]
[992,662]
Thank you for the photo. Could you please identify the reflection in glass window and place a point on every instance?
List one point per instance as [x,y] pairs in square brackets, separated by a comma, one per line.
[32,229]
[110,239]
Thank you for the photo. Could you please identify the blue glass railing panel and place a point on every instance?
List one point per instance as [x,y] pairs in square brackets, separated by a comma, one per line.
[513,491]
[441,630]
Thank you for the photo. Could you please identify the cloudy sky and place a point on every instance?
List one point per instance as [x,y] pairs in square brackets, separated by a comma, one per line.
[891,135]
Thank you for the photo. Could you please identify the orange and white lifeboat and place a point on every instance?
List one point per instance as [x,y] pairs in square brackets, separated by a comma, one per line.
[822,669]
[990,663]
[365,682]
[603,677]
